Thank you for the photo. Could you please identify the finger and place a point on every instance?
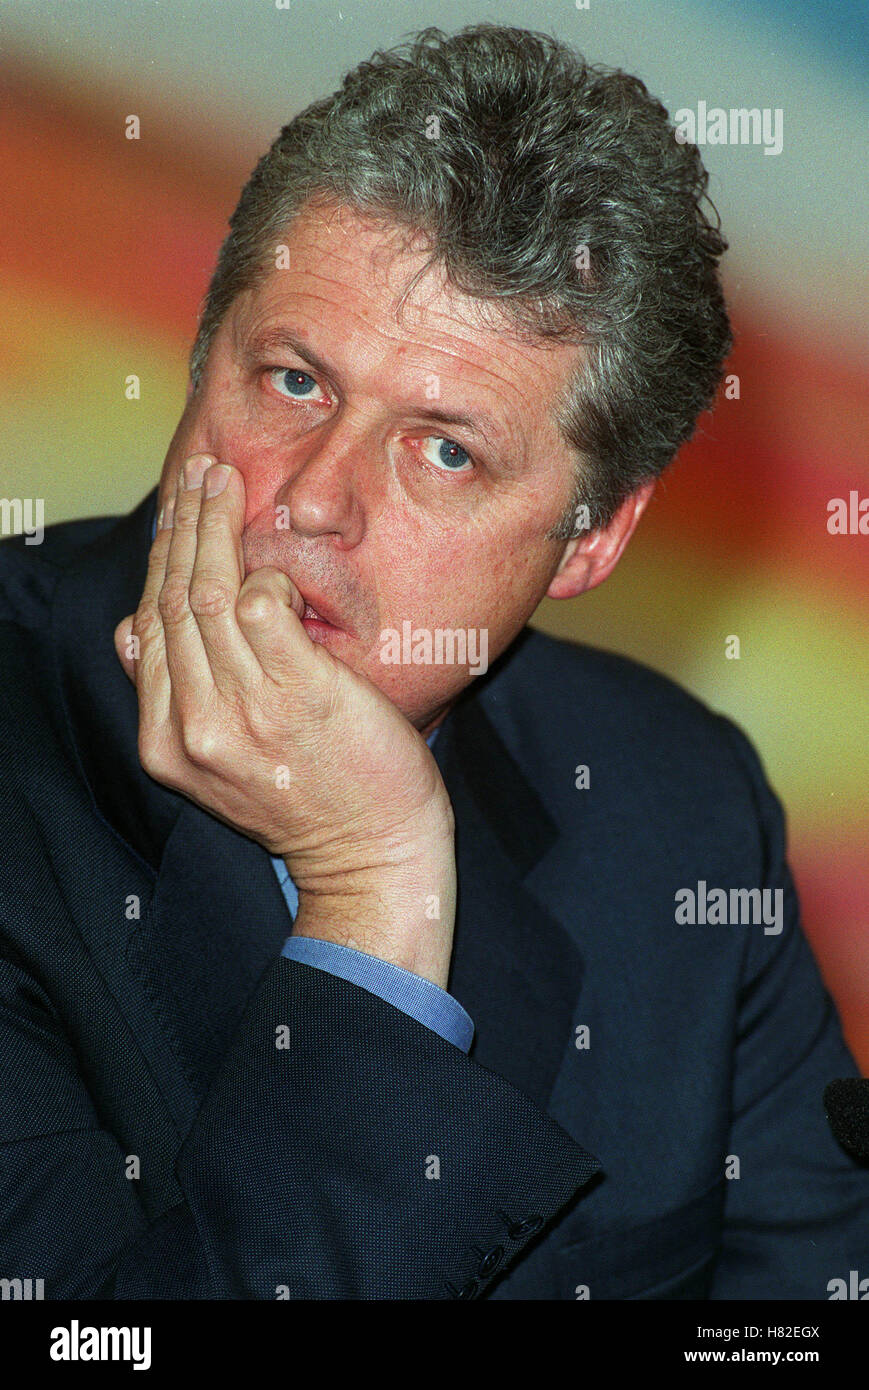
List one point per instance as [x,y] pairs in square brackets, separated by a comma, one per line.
[217,577]
[186,660]
[269,611]
[152,675]
[127,646]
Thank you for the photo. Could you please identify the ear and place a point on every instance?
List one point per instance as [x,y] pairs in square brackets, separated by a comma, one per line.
[588,560]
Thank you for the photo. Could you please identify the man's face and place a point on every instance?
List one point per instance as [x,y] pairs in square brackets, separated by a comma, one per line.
[380,508]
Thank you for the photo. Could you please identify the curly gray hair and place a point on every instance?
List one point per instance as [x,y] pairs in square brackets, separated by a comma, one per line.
[555,189]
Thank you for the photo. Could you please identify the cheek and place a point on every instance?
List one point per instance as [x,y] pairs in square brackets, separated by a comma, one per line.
[258,463]
[225,422]
[448,582]
[469,578]
[417,690]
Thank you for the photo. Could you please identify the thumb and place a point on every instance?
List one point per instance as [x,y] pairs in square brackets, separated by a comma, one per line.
[269,581]
[265,601]
[294,597]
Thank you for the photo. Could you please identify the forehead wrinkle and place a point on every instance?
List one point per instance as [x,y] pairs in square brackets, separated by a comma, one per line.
[381,241]
[446,319]
[397,358]
[458,310]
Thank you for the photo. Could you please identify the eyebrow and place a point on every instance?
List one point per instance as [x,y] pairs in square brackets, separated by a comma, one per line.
[482,424]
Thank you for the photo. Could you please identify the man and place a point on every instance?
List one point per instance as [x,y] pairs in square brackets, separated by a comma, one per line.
[336,965]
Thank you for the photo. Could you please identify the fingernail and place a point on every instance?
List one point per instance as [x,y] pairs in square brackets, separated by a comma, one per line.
[194,469]
[216,479]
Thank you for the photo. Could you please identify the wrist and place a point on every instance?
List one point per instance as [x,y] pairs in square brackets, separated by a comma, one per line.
[372,861]
[404,914]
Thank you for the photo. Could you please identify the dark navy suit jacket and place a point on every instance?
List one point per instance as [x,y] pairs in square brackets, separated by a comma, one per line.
[155,1141]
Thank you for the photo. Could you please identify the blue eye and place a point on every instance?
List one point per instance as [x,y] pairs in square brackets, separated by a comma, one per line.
[292,381]
[449,455]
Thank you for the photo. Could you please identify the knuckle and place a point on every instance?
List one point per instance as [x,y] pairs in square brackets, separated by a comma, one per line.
[146,623]
[173,600]
[260,722]
[187,512]
[199,742]
[324,699]
[257,605]
[212,517]
[152,756]
[210,596]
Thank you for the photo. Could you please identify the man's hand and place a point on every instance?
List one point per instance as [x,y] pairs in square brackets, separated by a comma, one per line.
[241,712]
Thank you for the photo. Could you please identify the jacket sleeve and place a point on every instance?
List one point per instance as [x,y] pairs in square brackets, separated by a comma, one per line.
[344,1150]
[797,1214]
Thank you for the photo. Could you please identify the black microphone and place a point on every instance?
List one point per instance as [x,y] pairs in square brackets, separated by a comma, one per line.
[846,1102]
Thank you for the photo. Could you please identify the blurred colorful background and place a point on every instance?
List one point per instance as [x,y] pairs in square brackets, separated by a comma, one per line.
[106,246]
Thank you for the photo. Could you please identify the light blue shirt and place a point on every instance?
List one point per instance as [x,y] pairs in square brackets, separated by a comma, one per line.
[421,999]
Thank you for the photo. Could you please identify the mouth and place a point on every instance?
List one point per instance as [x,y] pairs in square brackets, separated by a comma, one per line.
[321,619]
[322,622]
[315,626]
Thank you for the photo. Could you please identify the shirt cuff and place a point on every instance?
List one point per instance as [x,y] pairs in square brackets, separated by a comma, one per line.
[421,999]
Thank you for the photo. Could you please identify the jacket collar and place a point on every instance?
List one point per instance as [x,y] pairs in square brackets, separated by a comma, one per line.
[218,917]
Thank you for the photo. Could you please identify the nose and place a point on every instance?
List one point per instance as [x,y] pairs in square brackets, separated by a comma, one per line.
[328,484]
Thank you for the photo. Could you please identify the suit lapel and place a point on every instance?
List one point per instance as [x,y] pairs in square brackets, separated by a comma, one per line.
[216,922]
[515,968]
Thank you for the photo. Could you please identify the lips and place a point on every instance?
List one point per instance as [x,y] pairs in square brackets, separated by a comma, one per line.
[311,615]
[319,610]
